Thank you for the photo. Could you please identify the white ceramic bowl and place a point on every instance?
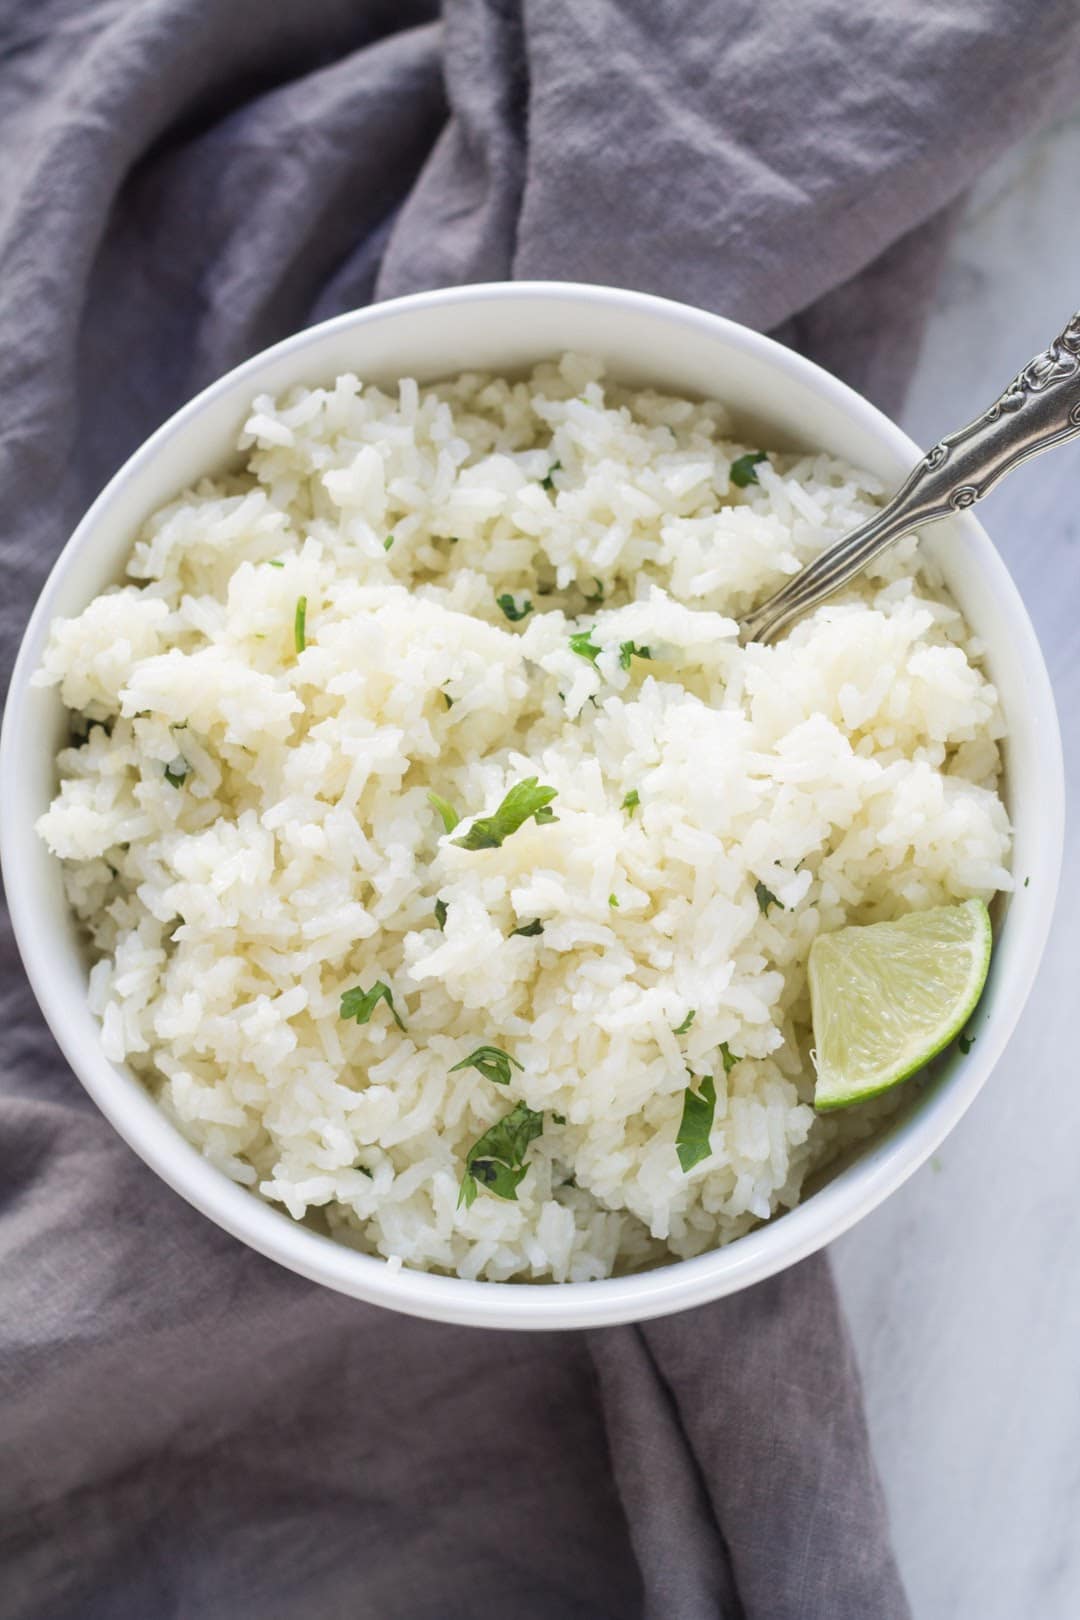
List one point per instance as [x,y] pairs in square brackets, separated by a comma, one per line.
[777,396]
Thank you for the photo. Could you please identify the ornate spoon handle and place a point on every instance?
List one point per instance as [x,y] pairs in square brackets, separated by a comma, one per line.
[1039,409]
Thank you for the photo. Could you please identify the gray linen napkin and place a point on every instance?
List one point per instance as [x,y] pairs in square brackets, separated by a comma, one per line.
[187,1430]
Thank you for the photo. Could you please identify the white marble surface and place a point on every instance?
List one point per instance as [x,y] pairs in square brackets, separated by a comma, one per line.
[964,1290]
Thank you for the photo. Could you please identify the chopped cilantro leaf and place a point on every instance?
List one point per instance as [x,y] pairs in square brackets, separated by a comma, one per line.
[965,1043]
[628,650]
[529,931]
[558,1119]
[440,913]
[359,1003]
[727,1057]
[388,542]
[581,643]
[632,800]
[496,1161]
[613,902]
[1027,880]
[548,483]
[450,817]
[177,771]
[511,609]
[300,625]
[364,1171]
[766,898]
[687,1021]
[525,799]
[692,1141]
[275,562]
[490,1061]
[448,700]
[742,469]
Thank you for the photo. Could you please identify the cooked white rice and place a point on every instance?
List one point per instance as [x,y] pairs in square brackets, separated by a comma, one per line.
[851,771]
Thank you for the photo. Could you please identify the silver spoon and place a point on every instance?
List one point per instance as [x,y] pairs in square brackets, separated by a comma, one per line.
[1040,408]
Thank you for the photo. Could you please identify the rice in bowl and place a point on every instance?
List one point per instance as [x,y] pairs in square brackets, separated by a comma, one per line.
[452,591]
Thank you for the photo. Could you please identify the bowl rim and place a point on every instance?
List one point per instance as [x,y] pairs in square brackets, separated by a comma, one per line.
[679,1284]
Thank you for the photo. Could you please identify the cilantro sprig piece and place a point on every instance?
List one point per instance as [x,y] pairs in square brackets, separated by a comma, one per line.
[529,931]
[630,649]
[300,625]
[582,643]
[744,468]
[490,1061]
[440,915]
[177,771]
[359,1003]
[727,1057]
[388,542]
[511,609]
[699,1107]
[496,1161]
[525,799]
[631,801]
[548,483]
[766,898]
[450,817]
[687,1021]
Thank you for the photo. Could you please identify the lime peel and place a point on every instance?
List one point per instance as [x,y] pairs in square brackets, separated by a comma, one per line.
[887,997]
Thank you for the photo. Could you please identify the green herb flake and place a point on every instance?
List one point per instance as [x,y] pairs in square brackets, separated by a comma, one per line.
[965,1043]
[511,609]
[275,562]
[359,1003]
[525,799]
[628,650]
[364,1171]
[448,700]
[743,468]
[766,898]
[687,1021]
[612,901]
[388,542]
[496,1161]
[490,1061]
[529,931]
[727,1057]
[1027,880]
[632,800]
[699,1107]
[548,483]
[450,817]
[177,771]
[300,625]
[440,914]
[558,1119]
[581,643]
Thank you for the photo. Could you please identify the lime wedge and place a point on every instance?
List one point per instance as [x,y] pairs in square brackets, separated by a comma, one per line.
[886,997]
